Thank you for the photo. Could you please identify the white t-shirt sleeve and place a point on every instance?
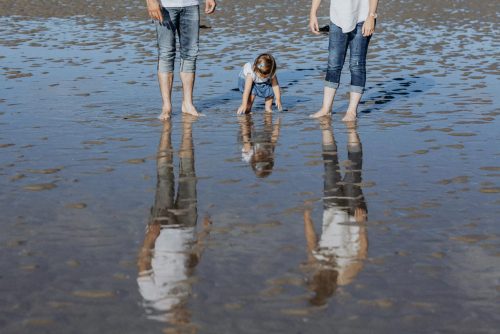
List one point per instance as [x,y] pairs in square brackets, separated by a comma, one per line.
[247,69]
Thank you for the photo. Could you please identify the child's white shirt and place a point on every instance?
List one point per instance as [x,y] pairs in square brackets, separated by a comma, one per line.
[248,69]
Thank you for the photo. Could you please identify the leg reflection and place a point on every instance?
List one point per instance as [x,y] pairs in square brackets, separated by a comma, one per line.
[337,257]
[172,247]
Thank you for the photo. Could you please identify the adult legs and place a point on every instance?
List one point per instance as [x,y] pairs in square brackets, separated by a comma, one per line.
[332,189]
[166,56]
[166,80]
[337,48]
[164,196]
[189,30]
[358,45]
[186,200]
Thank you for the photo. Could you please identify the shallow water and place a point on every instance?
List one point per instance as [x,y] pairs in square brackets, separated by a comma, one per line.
[89,176]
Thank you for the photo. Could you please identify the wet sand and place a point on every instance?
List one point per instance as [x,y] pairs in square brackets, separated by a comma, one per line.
[85,170]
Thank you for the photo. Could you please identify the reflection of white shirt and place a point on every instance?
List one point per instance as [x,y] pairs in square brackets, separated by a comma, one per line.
[347,13]
[179,3]
[246,156]
[340,239]
[167,285]
[248,69]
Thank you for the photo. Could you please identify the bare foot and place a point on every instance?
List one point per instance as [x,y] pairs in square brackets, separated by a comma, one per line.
[164,116]
[190,109]
[269,110]
[349,116]
[322,112]
[165,113]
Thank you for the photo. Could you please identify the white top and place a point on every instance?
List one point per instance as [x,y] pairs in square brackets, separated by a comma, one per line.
[248,69]
[347,13]
[166,286]
[179,3]
[340,240]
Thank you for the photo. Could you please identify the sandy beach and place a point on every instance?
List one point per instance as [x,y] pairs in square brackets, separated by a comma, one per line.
[88,172]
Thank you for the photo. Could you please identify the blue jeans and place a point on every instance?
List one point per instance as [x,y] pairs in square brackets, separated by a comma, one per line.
[185,22]
[337,49]
[263,89]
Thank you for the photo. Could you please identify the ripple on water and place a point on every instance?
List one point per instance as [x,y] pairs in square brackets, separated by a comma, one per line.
[39,186]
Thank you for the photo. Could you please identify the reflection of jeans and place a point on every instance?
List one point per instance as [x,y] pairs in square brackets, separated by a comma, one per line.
[185,22]
[346,192]
[337,49]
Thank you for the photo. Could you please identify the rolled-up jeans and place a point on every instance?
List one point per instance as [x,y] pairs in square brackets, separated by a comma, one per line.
[337,49]
[185,23]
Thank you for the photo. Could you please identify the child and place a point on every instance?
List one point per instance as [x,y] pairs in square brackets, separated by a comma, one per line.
[259,143]
[259,79]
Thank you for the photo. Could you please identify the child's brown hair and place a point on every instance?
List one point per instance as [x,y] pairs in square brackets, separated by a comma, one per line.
[265,65]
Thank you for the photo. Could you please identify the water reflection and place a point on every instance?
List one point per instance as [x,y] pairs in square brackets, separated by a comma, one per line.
[172,247]
[337,257]
[258,143]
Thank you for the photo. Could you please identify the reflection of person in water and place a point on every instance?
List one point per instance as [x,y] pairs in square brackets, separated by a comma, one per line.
[171,248]
[258,144]
[336,258]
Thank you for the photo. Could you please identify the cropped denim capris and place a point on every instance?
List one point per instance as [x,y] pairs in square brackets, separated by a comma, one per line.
[185,23]
[337,49]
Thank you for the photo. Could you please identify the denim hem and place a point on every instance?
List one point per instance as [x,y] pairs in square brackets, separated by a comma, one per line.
[188,66]
[329,148]
[353,148]
[332,84]
[165,69]
[357,89]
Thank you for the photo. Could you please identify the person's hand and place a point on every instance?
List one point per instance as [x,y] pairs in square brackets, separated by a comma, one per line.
[153,230]
[368,26]
[242,109]
[210,6]
[360,215]
[154,10]
[313,24]
[207,222]
[278,105]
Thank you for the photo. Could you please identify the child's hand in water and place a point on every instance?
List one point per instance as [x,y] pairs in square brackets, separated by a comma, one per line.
[242,109]
[278,105]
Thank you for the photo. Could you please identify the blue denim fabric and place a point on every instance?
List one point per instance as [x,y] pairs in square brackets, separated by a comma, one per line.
[184,22]
[264,89]
[337,49]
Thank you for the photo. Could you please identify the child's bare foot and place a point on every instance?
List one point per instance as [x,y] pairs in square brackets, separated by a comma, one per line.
[269,110]
[350,116]
[165,113]
[322,112]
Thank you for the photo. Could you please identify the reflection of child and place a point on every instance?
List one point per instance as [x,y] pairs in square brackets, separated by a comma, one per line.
[260,80]
[258,144]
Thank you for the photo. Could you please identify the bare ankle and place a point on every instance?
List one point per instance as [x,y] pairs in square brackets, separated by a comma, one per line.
[350,116]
